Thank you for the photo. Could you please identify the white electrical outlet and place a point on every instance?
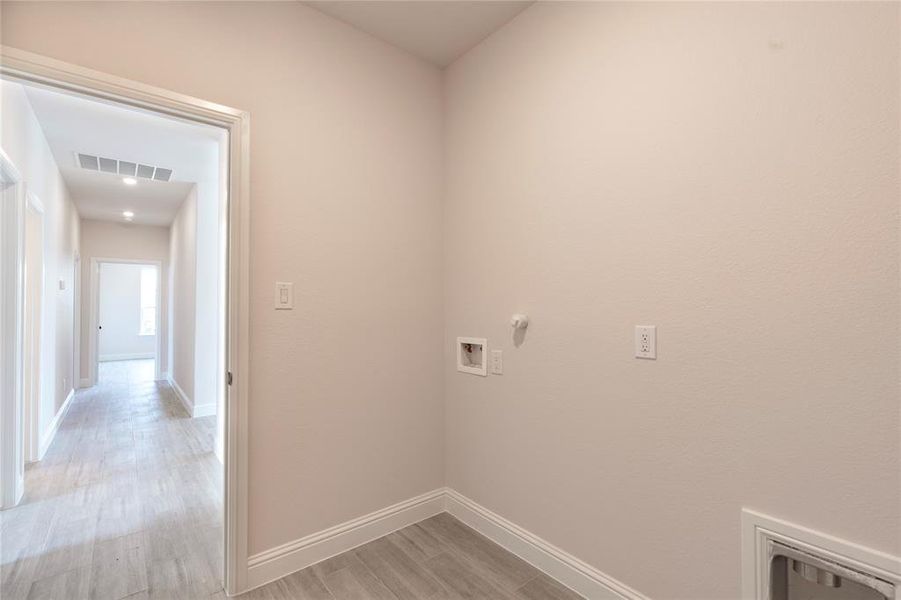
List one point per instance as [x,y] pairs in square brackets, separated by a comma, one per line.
[646,341]
[497,362]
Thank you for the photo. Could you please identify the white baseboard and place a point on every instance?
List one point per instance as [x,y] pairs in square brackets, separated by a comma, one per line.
[283,560]
[567,569]
[84,382]
[562,566]
[185,400]
[47,436]
[204,410]
[128,356]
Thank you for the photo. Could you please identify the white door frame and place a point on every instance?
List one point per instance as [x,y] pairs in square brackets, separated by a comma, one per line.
[94,340]
[76,321]
[12,221]
[31,406]
[40,70]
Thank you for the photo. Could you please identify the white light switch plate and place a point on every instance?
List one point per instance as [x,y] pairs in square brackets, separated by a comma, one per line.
[497,362]
[284,295]
[646,341]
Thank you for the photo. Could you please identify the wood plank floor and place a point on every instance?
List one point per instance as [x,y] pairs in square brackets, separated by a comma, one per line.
[437,559]
[127,504]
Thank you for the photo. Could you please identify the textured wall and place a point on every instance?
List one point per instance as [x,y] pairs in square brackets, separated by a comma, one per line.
[23,141]
[728,172]
[755,146]
[183,297]
[345,193]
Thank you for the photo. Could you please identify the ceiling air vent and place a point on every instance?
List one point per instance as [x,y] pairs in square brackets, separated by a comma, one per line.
[145,171]
[162,174]
[88,162]
[127,168]
[108,165]
[123,167]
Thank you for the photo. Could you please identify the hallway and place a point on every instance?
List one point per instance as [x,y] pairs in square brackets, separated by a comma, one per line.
[126,502]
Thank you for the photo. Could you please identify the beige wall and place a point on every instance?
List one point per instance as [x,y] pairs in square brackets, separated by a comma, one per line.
[183,258]
[728,172]
[764,179]
[345,186]
[23,141]
[108,239]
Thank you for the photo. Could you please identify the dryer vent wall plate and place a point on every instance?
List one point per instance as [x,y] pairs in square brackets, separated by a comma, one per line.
[472,356]
[798,574]
[786,561]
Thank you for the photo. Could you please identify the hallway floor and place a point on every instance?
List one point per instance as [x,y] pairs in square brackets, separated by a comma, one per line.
[125,503]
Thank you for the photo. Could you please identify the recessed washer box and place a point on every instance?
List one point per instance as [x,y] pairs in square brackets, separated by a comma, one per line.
[472,356]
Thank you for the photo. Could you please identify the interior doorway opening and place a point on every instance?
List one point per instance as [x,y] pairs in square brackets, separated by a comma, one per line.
[231,293]
[126,319]
[132,313]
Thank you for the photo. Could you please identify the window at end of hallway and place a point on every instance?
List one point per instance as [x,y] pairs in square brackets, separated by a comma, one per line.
[148,301]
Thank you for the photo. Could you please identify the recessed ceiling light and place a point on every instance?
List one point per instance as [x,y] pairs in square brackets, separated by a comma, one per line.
[129,180]
[128,214]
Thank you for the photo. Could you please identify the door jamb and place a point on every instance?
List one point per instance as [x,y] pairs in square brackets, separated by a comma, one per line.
[12,220]
[76,321]
[40,70]
[31,407]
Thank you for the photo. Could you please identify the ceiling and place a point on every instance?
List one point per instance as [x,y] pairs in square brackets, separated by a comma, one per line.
[73,124]
[439,31]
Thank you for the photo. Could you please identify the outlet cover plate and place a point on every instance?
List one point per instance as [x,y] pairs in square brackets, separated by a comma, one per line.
[646,341]
[497,362]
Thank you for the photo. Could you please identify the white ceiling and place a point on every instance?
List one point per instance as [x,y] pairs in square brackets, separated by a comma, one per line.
[439,31]
[74,124]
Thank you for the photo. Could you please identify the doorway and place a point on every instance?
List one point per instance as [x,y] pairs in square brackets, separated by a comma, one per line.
[29,69]
[126,307]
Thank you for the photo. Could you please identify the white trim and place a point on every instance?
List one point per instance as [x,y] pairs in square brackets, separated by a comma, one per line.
[76,320]
[205,410]
[31,407]
[34,201]
[182,396]
[48,436]
[12,221]
[194,410]
[556,563]
[579,576]
[45,71]
[84,382]
[129,356]
[283,560]
[757,528]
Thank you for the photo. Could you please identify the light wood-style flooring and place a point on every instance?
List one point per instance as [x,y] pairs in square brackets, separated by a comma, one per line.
[127,504]
[437,559]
